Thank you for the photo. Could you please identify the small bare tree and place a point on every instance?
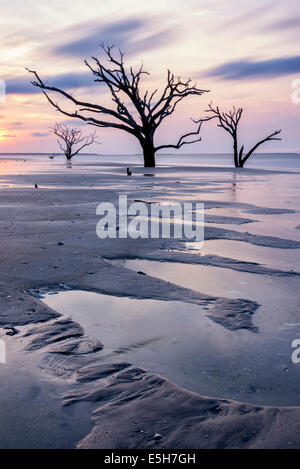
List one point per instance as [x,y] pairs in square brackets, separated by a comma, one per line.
[229,121]
[69,139]
[135,112]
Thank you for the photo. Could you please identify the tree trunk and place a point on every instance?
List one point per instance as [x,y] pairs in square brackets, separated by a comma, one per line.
[235,152]
[149,154]
[68,155]
[69,158]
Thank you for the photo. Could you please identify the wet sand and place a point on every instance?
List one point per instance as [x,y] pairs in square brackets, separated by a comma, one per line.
[49,242]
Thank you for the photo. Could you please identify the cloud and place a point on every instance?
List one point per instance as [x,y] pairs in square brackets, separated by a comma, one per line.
[39,134]
[246,19]
[151,42]
[288,23]
[123,34]
[14,125]
[22,85]
[247,69]
[116,33]
[8,136]
[75,122]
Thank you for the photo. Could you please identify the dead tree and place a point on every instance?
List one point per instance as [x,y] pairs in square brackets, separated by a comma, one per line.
[69,139]
[229,121]
[135,112]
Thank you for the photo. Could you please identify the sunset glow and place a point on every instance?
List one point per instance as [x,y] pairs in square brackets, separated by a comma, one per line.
[246,55]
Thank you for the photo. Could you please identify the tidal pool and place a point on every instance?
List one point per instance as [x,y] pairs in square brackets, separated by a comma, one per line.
[178,341]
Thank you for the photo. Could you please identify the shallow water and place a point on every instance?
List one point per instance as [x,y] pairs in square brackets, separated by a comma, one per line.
[284,161]
[30,402]
[283,259]
[278,296]
[178,341]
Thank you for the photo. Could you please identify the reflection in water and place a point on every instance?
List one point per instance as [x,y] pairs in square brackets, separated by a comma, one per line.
[234,185]
[177,340]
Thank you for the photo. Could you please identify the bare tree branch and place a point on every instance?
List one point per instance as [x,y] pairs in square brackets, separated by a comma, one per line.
[136,113]
[70,138]
[229,121]
[181,140]
[267,139]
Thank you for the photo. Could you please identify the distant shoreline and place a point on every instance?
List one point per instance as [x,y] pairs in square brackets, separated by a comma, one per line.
[39,154]
[161,154]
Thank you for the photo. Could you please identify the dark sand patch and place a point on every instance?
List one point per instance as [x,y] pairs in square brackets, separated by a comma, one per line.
[220,219]
[90,373]
[259,240]
[18,308]
[51,333]
[246,208]
[136,405]
[243,207]
[234,314]
[78,347]
[213,260]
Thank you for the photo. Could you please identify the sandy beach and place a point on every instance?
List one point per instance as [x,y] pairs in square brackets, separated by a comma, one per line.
[149,343]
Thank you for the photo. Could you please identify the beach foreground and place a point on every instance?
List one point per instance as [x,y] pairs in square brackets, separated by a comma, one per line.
[77,378]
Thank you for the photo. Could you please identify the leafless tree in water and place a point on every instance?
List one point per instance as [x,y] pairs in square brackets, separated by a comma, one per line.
[134,111]
[71,141]
[229,121]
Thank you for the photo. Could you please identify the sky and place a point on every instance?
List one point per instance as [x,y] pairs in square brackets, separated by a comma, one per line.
[246,53]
